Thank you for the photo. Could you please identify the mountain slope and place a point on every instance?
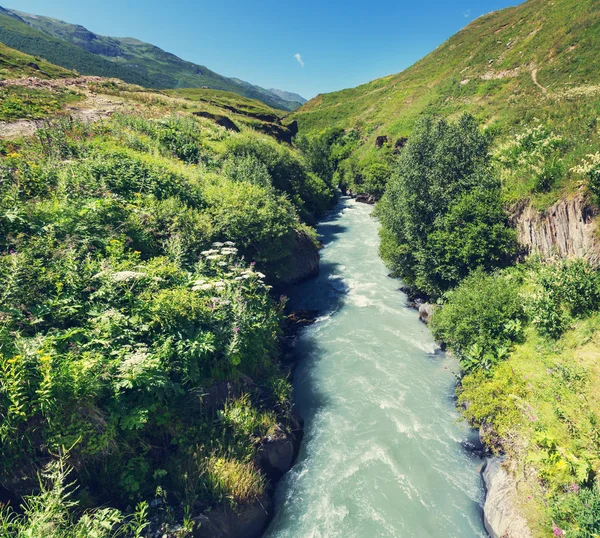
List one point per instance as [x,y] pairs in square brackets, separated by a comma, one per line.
[516,55]
[15,64]
[289,96]
[74,47]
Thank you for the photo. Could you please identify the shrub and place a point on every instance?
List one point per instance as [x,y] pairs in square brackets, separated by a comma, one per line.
[52,514]
[575,513]
[310,194]
[480,320]
[562,288]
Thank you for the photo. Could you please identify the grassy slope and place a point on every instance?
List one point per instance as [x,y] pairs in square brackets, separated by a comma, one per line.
[130,59]
[15,64]
[496,54]
[487,69]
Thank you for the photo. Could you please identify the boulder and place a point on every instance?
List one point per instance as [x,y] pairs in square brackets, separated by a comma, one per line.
[248,521]
[500,516]
[426,311]
[366,199]
[276,455]
[304,261]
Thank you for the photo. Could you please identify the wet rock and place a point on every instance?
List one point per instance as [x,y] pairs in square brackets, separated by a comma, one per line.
[426,311]
[366,199]
[276,455]
[500,515]
[299,319]
[415,298]
[247,521]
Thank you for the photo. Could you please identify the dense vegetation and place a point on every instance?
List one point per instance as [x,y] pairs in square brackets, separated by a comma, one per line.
[131,254]
[74,47]
[442,214]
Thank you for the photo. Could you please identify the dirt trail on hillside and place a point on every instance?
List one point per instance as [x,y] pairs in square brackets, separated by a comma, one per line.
[535,80]
[93,108]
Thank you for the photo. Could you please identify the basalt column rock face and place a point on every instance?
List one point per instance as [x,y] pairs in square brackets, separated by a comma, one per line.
[567,230]
[500,514]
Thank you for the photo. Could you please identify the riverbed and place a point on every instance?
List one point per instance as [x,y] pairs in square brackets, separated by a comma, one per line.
[383,449]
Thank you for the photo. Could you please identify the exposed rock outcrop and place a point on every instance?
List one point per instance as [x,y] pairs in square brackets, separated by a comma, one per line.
[247,522]
[366,199]
[381,141]
[500,517]
[566,230]
[303,263]
[426,311]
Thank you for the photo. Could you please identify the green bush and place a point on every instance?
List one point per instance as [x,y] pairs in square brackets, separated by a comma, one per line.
[563,289]
[310,194]
[576,513]
[53,513]
[480,320]
[123,298]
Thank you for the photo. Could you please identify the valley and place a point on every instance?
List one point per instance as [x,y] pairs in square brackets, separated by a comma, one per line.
[211,291]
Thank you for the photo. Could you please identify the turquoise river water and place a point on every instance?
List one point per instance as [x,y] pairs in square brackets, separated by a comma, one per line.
[382,453]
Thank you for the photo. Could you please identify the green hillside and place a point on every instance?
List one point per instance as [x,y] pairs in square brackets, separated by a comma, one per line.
[484,67]
[137,254]
[74,47]
[15,64]
[534,66]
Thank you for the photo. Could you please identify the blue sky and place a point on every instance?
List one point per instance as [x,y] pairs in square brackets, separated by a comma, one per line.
[342,43]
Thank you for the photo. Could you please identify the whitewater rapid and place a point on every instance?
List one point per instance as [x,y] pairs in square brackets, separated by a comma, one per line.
[382,454]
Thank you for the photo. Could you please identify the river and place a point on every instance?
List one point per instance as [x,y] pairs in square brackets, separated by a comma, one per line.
[382,453]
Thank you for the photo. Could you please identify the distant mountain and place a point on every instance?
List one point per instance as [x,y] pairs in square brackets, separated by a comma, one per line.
[289,96]
[74,47]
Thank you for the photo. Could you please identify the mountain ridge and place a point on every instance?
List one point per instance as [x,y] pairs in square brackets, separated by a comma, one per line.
[127,58]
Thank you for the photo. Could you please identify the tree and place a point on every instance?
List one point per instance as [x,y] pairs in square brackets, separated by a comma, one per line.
[442,215]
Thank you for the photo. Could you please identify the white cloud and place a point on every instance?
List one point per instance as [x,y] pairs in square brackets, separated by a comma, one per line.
[298,57]
[467,14]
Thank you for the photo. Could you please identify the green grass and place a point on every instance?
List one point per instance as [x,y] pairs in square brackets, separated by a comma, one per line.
[19,102]
[228,101]
[117,235]
[541,406]
[15,64]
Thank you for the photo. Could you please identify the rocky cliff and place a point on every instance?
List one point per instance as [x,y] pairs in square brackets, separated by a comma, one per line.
[500,513]
[567,229]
